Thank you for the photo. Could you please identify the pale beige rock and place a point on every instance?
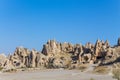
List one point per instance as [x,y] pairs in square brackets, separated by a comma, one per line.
[62,55]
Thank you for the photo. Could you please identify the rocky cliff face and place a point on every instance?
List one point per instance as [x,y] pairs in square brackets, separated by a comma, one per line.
[62,55]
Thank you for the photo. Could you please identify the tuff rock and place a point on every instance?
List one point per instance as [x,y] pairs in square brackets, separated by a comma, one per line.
[62,55]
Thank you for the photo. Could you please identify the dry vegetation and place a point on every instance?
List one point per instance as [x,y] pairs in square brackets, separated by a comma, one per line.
[83,67]
[116,74]
[101,70]
[116,70]
[92,79]
[1,68]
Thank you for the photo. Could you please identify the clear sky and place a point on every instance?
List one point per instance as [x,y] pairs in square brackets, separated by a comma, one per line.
[30,23]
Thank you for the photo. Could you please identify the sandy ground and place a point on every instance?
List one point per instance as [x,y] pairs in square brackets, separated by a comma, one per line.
[53,75]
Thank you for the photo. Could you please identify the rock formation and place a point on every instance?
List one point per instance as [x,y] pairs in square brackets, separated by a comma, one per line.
[118,43]
[62,55]
[5,63]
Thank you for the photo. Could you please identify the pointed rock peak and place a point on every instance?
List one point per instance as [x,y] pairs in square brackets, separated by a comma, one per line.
[102,41]
[98,40]
[118,43]
[33,49]
[106,42]
[51,41]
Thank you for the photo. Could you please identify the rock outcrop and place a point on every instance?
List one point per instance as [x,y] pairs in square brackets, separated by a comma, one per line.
[26,58]
[5,63]
[118,43]
[3,60]
[62,55]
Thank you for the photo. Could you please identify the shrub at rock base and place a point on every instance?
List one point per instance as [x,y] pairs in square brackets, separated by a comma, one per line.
[116,74]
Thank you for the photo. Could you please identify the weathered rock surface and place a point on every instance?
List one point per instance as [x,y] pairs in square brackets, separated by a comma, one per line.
[62,55]
[5,63]
[118,43]
[3,60]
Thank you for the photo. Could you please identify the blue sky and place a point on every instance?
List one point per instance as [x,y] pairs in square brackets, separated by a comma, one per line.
[30,23]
